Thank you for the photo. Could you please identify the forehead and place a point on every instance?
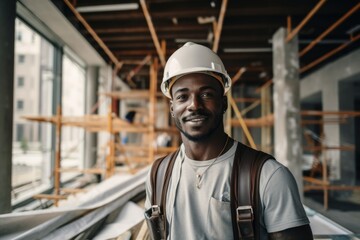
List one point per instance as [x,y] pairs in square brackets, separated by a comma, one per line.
[195,81]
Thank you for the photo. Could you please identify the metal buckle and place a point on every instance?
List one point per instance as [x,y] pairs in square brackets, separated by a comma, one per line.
[244,213]
[155,210]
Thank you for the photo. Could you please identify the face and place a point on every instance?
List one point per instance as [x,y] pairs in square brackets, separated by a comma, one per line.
[198,106]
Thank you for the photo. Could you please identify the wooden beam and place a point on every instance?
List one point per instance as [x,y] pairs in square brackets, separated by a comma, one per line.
[171,130]
[251,107]
[238,75]
[57,164]
[289,27]
[92,33]
[292,33]
[335,113]
[166,149]
[246,100]
[331,187]
[242,123]
[152,107]
[327,31]
[255,122]
[134,71]
[153,32]
[163,47]
[133,94]
[56,198]
[329,54]
[265,85]
[217,34]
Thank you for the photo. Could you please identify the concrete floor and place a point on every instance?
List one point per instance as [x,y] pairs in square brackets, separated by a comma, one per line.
[345,212]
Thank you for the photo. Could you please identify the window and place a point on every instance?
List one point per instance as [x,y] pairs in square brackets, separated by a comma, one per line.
[21,58]
[73,104]
[19,132]
[32,141]
[20,105]
[20,81]
[19,36]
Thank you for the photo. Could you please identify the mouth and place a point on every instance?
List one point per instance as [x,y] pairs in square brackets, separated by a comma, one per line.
[195,119]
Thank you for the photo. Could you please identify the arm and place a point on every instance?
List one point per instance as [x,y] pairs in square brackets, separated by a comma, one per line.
[284,215]
[297,233]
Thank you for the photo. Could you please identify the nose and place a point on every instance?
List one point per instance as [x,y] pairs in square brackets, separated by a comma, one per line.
[194,104]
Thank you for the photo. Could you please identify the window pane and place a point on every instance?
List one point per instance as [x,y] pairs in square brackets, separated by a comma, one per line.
[72,138]
[20,81]
[31,140]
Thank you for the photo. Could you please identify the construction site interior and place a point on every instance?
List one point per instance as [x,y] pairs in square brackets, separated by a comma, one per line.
[82,116]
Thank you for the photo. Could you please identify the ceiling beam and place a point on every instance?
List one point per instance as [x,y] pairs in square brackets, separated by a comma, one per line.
[291,34]
[153,32]
[219,26]
[93,33]
[328,30]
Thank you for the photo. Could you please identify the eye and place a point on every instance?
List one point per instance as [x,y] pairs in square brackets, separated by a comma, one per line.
[181,97]
[207,95]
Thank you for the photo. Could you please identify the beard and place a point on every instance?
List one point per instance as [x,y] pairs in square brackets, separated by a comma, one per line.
[198,138]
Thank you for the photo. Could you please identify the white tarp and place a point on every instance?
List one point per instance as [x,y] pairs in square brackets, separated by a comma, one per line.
[107,196]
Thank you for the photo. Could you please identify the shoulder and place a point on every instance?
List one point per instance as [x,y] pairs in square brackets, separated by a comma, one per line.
[275,173]
[270,167]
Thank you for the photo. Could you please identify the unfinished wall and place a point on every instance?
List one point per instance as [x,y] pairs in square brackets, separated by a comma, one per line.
[327,81]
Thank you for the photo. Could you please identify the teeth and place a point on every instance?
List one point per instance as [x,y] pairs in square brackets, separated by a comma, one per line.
[197,119]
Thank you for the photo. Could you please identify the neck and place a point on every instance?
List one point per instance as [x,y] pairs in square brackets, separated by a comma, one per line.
[207,149]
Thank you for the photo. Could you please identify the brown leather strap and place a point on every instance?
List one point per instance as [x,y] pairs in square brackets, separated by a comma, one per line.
[165,187]
[153,179]
[245,191]
[158,176]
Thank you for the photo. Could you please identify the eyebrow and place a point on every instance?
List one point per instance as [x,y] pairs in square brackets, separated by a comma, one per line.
[201,89]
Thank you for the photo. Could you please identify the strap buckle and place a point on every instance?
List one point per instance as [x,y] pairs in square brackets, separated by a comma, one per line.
[155,210]
[244,213]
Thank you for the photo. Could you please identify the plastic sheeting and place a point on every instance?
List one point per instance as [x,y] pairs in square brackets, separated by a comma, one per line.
[94,205]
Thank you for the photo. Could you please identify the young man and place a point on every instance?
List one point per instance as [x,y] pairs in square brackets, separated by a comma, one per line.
[198,196]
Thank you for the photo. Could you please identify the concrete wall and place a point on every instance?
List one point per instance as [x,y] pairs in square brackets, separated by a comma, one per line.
[327,81]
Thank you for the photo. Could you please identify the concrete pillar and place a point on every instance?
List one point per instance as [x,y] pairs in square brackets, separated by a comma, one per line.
[91,95]
[288,147]
[7,33]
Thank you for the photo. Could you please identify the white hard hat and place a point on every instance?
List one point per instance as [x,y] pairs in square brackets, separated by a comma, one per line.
[193,58]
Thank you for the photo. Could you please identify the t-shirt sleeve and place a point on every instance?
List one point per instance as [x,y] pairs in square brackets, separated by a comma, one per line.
[282,207]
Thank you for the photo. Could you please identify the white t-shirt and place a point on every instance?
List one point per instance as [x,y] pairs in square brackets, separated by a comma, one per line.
[204,213]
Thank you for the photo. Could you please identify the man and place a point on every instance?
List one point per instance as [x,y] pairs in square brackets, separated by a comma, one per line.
[198,196]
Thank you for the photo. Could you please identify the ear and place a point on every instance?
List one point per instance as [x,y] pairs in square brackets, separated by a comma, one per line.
[171,108]
[225,103]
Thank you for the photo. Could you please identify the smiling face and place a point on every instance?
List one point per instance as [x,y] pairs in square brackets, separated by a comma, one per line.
[198,106]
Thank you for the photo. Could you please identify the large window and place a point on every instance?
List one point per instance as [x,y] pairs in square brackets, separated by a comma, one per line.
[73,105]
[31,140]
[35,94]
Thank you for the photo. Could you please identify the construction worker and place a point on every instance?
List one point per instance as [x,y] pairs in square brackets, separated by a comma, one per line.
[198,196]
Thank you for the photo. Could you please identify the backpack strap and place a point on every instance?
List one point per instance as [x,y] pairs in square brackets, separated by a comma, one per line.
[161,173]
[245,204]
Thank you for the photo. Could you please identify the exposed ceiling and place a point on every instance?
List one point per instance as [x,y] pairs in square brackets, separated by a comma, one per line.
[248,27]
